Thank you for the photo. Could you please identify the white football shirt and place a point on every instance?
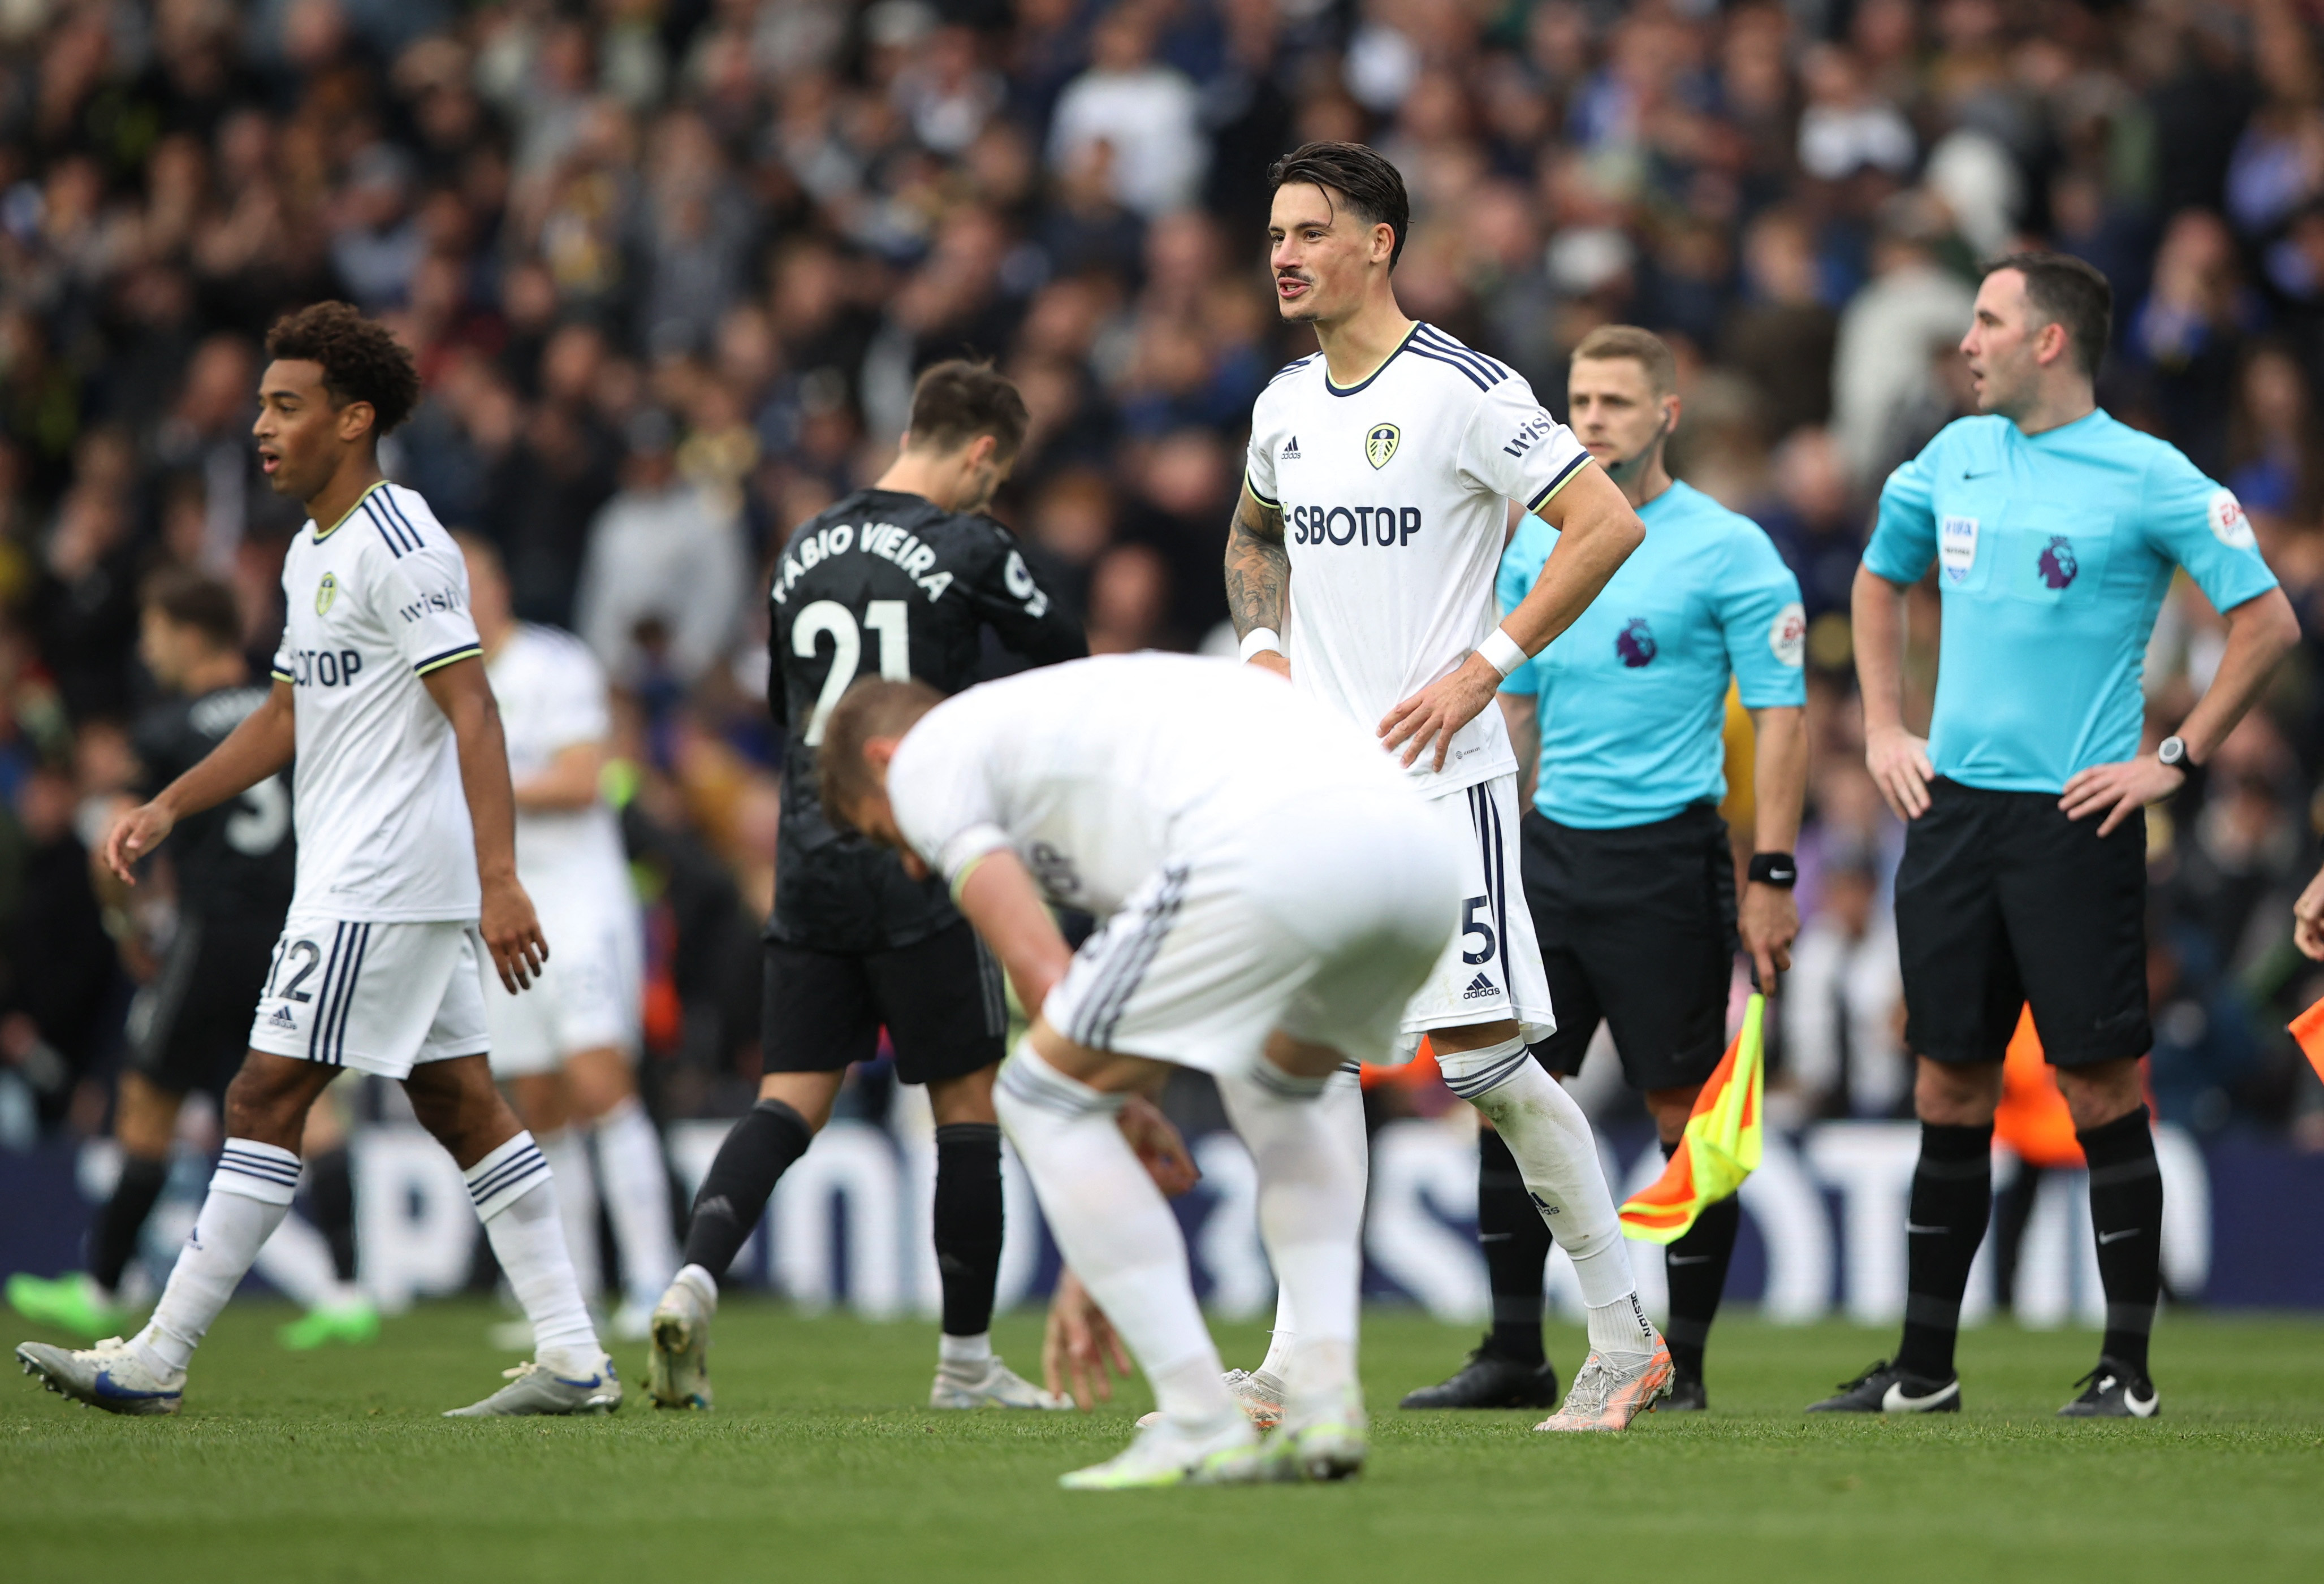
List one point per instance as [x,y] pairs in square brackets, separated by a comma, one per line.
[1095,772]
[375,601]
[1394,494]
[552,695]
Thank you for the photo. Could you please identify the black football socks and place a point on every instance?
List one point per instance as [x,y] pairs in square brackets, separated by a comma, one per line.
[1697,1266]
[968,1223]
[733,1194]
[2126,1219]
[1952,1200]
[1516,1242]
[112,1241]
[331,1202]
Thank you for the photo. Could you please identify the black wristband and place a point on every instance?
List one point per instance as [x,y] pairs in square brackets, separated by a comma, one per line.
[1773,869]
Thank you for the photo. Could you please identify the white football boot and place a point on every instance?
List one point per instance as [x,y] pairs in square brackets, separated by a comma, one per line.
[1607,1396]
[1166,1454]
[995,1386]
[534,1388]
[1258,1393]
[677,1363]
[111,1375]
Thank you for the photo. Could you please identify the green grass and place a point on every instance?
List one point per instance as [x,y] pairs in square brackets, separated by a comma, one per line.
[818,1466]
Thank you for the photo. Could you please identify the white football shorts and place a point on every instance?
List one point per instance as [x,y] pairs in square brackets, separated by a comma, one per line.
[1491,968]
[1320,920]
[378,998]
[589,996]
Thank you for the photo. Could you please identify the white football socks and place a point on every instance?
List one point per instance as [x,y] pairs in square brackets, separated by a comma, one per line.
[1342,1109]
[516,1199]
[636,1185]
[566,1151]
[1311,1214]
[250,1193]
[967,1357]
[1115,1230]
[1557,1155]
[1621,1331]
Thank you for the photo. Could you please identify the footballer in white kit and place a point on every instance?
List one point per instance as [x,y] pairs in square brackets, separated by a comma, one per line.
[1272,894]
[568,1050]
[1383,477]
[379,967]
[405,886]
[553,698]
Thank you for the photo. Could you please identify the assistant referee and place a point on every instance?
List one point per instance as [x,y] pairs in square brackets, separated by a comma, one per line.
[1627,871]
[2055,531]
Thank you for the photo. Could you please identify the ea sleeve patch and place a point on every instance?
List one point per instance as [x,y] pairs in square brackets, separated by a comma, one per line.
[1787,636]
[2230,525]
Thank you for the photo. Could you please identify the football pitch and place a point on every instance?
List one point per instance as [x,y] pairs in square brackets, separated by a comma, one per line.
[819,1464]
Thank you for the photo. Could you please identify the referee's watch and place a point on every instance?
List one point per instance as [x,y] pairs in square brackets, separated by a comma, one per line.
[1773,869]
[2173,750]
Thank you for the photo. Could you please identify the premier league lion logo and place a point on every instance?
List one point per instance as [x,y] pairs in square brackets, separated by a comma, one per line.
[1636,643]
[2057,563]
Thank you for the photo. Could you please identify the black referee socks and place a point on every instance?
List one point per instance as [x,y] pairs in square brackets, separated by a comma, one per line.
[733,1194]
[1952,1200]
[968,1223]
[1697,1266]
[2126,1218]
[1516,1242]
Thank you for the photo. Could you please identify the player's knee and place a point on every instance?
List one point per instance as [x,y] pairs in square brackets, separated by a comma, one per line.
[1670,1108]
[2103,1092]
[1957,1094]
[597,1080]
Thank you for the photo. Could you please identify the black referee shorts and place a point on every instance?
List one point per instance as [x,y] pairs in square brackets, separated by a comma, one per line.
[2003,901]
[189,1029]
[1637,927]
[940,1001]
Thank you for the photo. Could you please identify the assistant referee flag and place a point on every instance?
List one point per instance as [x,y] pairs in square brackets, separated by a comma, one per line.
[1722,1144]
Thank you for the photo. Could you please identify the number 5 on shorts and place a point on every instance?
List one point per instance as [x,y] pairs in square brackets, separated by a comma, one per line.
[1471,925]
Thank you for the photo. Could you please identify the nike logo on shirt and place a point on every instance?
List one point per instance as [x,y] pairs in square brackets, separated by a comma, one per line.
[2106,1238]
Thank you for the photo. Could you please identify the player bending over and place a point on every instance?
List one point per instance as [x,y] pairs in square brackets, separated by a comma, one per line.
[1380,483]
[1269,910]
[566,1050]
[898,580]
[406,881]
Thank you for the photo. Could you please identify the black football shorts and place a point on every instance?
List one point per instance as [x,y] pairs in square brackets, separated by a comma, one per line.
[940,1001]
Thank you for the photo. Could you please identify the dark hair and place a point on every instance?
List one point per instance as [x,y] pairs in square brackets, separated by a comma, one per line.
[362,362]
[2066,291]
[1643,347]
[1373,188]
[188,598]
[957,401]
[874,707]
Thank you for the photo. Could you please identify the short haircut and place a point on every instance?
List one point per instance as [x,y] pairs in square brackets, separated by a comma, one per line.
[874,707]
[957,402]
[2066,291]
[362,361]
[186,598]
[1373,188]
[1643,347]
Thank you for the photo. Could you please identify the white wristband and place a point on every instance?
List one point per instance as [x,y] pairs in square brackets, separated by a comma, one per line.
[1260,640]
[1501,651]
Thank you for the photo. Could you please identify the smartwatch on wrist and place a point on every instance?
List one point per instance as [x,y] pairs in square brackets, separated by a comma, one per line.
[1774,869]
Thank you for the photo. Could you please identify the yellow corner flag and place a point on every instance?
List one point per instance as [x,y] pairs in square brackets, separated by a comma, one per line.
[2308,1028]
[1721,1145]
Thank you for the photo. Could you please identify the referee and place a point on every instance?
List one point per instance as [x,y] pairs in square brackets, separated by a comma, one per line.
[2055,531]
[1627,869]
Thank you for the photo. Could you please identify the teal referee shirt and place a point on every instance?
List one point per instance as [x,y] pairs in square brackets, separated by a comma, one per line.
[1633,696]
[2054,551]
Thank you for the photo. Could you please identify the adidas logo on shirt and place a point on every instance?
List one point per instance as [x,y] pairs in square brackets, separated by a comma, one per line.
[1479,988]
[282,1018]
[1291,449]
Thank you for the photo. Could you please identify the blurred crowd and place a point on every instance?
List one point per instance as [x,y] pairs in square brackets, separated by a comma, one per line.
[670,267]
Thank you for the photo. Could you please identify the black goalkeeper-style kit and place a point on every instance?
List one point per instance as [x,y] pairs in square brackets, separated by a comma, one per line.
[888,585]
[236,866]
